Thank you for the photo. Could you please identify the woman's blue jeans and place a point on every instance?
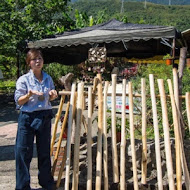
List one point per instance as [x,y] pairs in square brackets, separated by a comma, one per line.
[33,124]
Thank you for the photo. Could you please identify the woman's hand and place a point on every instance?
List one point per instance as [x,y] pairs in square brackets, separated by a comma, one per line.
[23,99]
[52,94]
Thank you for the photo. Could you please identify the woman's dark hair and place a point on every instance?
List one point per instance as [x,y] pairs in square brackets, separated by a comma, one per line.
[32,54]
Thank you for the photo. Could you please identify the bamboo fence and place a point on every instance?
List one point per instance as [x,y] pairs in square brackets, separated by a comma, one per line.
[99,92]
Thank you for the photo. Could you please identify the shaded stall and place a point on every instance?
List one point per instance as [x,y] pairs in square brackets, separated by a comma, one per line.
[120,40]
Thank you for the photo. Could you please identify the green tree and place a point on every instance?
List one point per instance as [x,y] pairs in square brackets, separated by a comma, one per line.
[23,20]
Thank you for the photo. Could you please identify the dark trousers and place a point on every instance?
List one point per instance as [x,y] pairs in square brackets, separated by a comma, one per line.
[33,124]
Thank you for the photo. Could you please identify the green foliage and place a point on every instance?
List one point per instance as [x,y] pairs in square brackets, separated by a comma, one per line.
[24,20]
[167,56]
[7,86]
[136,13]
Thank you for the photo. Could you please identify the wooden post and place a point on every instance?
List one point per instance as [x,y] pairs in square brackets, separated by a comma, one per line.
[182,63]
[58,115]
[123,138]
[70,121]
[187,100]
[60,138]
[132,135]
[89,141]
[100,127]
[113,130]
[165,122]
[177,137]
[144,138]
[105,146]
[156,133]
[80,100]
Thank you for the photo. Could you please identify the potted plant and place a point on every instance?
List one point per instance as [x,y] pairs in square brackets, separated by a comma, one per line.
[168,58]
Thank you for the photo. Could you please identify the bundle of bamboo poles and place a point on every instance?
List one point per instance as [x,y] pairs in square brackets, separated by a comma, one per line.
[76,104]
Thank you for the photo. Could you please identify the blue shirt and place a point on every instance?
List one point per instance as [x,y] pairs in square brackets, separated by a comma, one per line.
[30,82]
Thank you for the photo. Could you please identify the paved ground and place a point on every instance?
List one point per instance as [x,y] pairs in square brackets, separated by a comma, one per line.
[8,128]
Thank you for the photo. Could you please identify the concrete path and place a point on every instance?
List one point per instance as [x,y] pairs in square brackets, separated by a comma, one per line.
[8,130]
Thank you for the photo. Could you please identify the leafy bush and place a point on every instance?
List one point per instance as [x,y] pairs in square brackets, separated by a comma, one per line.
[7,86]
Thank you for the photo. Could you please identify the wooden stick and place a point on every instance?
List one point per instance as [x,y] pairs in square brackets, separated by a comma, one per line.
[123,139]
[94,89]
[187,100]
[62,168]
[58,115]
[69,129]
[156,133]
[89,141]
[77,135]
[113,130]
[132,135]
[100,127]
[60,139]
[177,137]
[165,122]
[74,120]
[105,146]
[144,138]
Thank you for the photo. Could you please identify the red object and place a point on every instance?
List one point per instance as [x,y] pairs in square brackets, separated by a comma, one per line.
[168,61]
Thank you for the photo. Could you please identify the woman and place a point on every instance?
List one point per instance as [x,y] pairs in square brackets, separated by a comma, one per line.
[33,94]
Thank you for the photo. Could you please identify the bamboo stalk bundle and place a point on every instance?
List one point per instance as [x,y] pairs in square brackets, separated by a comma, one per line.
[89,140]
[113,131]
[144,138]
[69,129]
[187,100]
[57,117]
[132,137]
[156,132]
[60,138]
[123,138]
[177,138]
[105,146]
[169,162]
[182,153]
[80,100]
[100,127]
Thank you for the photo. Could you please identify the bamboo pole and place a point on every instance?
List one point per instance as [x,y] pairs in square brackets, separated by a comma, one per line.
[165,122]
[123,139]
[113,130]
[132,135]
[74,120]
[177,138]
[62,168]
[77,135]
[89,141]
[187,100]
[156,133]
[56,122]
[144,138]
[70,121]
[100,127]
[105,146]
[60,138]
